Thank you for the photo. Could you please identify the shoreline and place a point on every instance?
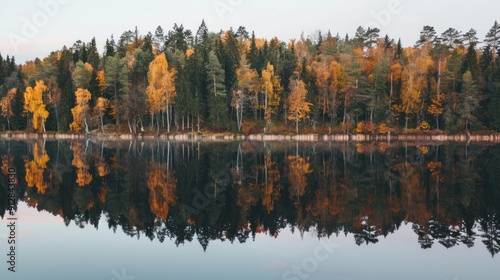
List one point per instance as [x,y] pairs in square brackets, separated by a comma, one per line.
[229,137]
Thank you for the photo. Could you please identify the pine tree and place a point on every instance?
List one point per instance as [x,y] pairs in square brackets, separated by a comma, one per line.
[470,38]
[427,36]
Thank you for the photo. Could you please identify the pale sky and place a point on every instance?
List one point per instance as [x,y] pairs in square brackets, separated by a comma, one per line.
[34,28]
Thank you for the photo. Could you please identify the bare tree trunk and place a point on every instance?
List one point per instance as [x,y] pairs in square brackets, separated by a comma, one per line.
[158,124]
[116,107]
[438,87]
[297,122]
[152,121]
[265,112]
[168,117]
[129,126]
[86,125]
[57,117]
[198,123]
[43,124]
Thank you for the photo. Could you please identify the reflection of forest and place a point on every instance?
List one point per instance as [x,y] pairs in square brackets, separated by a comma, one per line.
[450,194]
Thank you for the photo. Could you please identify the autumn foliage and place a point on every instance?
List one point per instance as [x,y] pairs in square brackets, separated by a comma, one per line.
[182,80]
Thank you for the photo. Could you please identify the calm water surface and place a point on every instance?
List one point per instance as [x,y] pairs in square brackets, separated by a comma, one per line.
[251,210]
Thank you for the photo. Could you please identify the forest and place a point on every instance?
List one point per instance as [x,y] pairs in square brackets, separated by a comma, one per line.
[177,81]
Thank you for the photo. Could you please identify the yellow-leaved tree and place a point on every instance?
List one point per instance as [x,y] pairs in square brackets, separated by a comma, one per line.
[272,90]
[414,81]
[33,103]
[298,107]
[161,89]
[100,109]
[80,111]
[102,103]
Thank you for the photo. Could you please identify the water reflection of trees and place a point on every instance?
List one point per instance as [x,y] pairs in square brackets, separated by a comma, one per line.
[450,194]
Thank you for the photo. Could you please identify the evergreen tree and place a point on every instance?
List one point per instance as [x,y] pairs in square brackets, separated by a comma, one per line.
[493,39]
[230,60]
[65,83]
[469,99]
[110,47]
[470,38]
[217,99]
[147,45]
[253,53]
[470,62]
[2,69]
[451,38]
[493,91]
[159,39]
[427,36]
[199,78]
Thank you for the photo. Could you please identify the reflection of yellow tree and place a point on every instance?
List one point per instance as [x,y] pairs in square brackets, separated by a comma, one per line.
[102,168]
[35,169]
[83,176]
[266,188]
[298,167]
[273,186]
[162,185]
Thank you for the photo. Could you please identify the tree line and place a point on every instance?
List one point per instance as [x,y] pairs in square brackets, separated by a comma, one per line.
[180,81]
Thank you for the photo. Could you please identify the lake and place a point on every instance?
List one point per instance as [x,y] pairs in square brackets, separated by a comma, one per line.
[124,210]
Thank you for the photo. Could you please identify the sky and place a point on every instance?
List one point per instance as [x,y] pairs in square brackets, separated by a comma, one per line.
[34,28]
